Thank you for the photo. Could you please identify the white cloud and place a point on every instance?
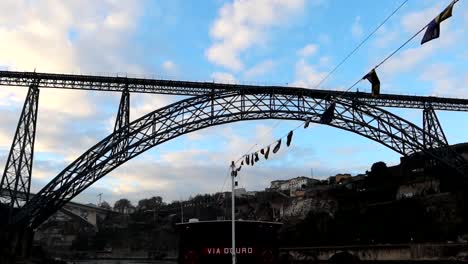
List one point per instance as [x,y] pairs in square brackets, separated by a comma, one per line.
[52,36]
[409,58]
[169,67]
[37,35]
[307,75]
[7,130]
[11,96]
[196,157]
[142,104]
[414,21]
[260,68]
[465,15]
[174,183]
[386,37]
[445,82]
[56,133]
[406,60]
[324,39]
[435,72]
[242,24]
[324,61]
[73,103]
[223,77]
[308,50]
[319,2]
[356,28]
[195,169]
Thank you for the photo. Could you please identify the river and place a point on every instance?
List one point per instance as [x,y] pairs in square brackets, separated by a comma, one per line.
[114,261]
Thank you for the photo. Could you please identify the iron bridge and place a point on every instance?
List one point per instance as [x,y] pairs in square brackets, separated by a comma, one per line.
[208,104]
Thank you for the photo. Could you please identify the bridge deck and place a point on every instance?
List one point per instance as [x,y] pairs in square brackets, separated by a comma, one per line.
[190,88]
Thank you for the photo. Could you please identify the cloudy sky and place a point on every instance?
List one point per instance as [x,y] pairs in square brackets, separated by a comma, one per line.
[281,42]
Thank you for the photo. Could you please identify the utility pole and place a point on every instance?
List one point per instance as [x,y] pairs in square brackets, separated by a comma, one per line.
[233,216]
[181,212]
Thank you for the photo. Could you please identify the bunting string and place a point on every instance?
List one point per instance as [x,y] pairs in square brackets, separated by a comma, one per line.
[253,157]
[360,44]
[432,32]
[306,125]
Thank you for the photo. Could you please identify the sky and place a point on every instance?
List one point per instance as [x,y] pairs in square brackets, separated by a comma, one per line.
[275,42]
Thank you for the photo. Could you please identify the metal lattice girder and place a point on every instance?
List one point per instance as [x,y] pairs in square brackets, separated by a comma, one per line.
[18,169]
[121,124]
[204,111]
[431,126]
[102,83]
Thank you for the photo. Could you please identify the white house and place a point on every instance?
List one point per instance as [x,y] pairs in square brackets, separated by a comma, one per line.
[291,185]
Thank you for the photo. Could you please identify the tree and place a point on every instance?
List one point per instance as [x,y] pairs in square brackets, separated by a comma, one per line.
[142,204]
[379,169]
[380,177]
[156,201]
[122,205]
[105,205]
[379,173]
[152,203]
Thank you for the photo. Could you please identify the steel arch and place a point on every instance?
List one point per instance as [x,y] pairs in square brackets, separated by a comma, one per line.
[213,109]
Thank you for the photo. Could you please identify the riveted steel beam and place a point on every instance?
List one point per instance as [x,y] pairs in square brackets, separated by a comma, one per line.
[16,177]
[190,88]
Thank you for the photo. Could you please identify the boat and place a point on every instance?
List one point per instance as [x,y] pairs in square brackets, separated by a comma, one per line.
[209,242]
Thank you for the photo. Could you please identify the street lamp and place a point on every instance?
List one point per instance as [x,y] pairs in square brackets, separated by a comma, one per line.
[233,224]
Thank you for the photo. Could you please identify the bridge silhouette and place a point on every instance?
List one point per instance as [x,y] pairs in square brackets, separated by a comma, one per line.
[209,104]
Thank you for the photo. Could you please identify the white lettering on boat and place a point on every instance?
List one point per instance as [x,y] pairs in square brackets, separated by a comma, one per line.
[226,251]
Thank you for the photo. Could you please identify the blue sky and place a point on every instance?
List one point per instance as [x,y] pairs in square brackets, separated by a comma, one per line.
[283,42]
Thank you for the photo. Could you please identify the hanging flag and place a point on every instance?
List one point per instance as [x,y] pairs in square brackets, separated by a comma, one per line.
[252,159]
[256,156]
[289,138]
[267,152]
[447,11]
[262,151]
[328,114]
[277,147]
[307,122]
[221,200]
[242,163]
[238,169]
[374,80]
[433,29]
[247,159]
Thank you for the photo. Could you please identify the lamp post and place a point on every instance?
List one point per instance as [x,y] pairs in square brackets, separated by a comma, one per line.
[233,224]
[181,212]
[100,197]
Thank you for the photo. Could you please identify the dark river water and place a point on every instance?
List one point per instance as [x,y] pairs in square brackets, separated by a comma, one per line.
[124,262]
[174,262]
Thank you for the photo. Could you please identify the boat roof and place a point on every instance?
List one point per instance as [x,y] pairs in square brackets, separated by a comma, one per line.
[229,221]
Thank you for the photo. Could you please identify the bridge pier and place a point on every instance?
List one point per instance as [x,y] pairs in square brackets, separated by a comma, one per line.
[16,179]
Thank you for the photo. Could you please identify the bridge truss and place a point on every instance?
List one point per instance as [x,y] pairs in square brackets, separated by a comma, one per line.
[214,104]
[188,88]
[18,168]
